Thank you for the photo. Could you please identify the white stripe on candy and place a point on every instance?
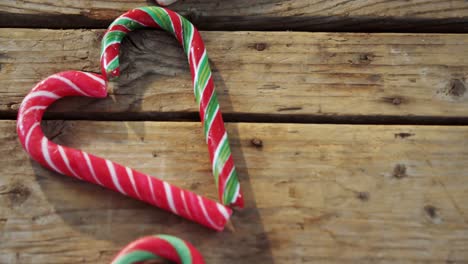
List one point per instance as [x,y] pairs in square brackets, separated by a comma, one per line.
[67,162]
[205,213]
[132,180]
[45,152]
[170,199]
[69,83]
[90,167]
[114,177]
[94,77]
[216,154]
[28,136]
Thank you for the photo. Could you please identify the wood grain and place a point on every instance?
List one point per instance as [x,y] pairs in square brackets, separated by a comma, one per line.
[313,15]
[256,73]
[314,194]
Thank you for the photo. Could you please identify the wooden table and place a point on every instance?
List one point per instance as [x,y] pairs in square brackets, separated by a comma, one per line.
[351,147]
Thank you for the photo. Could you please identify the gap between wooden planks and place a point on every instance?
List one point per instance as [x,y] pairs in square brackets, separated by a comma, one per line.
[314,193]
[310,15]
[269,76]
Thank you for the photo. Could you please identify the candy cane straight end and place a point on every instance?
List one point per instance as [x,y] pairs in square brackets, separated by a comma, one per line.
[111,75]
[230,227]
[239,202]
[159,246]
[111,86]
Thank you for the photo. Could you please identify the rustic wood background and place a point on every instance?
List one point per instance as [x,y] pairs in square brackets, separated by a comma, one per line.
[352,147]
[317,15]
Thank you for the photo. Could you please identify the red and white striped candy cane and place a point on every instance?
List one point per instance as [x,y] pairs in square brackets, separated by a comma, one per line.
[164,246]
[87,167]
[223,168]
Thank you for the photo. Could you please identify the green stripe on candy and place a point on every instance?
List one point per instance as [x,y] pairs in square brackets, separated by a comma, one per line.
[204,84]
[182,249]
[210,110]
[223,155]
[128,23]
[110,37]
[135,256]
[231,188]
[113,64]
[203,75]
[159,16]
[187,28]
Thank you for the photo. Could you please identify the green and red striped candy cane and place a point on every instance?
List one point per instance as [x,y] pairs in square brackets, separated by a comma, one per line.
[159,246]
[188,36]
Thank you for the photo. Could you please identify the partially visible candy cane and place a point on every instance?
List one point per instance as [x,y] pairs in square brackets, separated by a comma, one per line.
[84,166]
[164,246]
[218,144]
[165,2]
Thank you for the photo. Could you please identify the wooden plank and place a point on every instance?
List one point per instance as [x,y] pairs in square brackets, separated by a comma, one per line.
[314,194]
[262,73]
[314,15]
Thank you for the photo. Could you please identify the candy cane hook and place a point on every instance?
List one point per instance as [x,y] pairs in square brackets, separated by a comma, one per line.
[164,246]
[188,36]
[87,167]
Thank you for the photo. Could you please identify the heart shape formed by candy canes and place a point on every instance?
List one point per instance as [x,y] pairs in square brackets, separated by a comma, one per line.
[164,246]
[188,36]
[114,176]
[84,166]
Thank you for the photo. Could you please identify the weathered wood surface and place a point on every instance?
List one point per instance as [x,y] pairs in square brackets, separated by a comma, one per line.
[316,15]
[315,194]
[269,73]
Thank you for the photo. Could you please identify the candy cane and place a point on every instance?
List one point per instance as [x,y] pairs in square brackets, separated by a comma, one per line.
[84,166]
[165,2]
[218,144]
[153,247]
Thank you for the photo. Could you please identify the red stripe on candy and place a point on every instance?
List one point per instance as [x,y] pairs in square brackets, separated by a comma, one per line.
[142,17]
[205,98]
[224,174]
[176,22]
[215,134]
[118,28]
